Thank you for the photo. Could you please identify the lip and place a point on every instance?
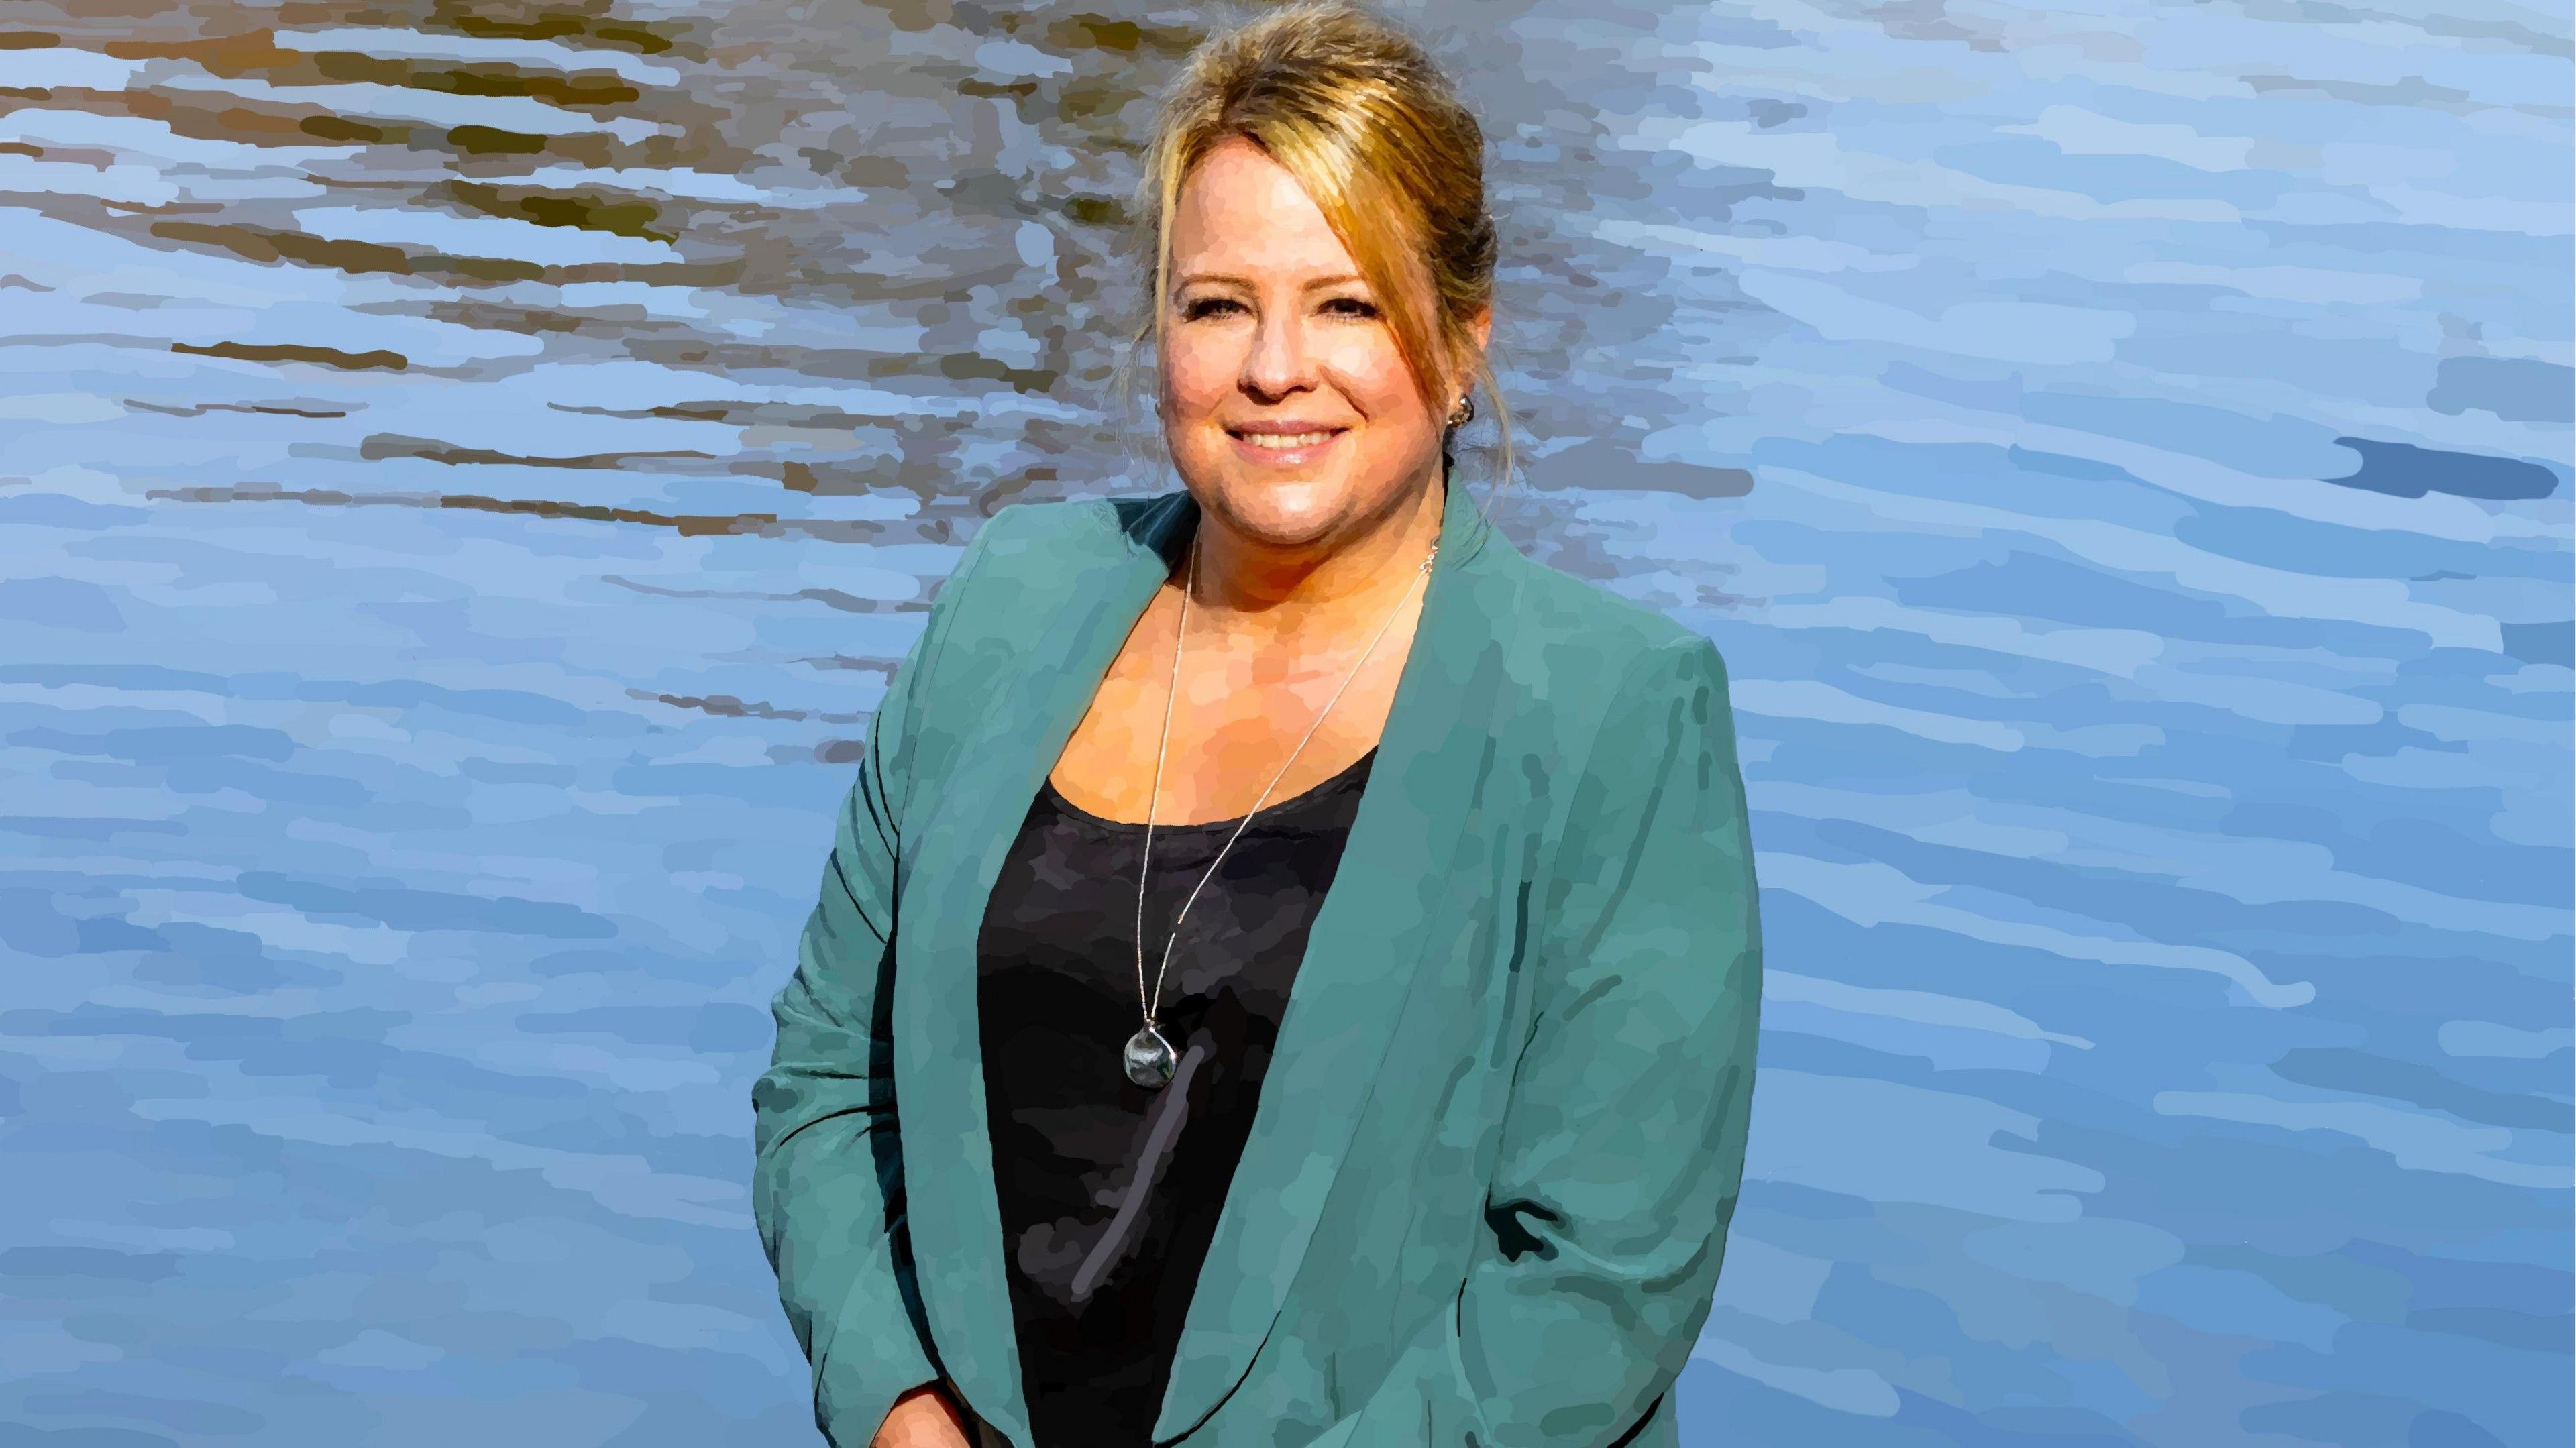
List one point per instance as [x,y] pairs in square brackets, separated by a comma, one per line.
[1280,457]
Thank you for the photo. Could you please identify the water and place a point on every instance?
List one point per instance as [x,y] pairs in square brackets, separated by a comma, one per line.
[465,471]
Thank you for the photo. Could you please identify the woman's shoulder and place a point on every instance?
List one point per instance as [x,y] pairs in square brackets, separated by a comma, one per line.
[1036,550]
[1042,530]
[1584,645]
[1558,608]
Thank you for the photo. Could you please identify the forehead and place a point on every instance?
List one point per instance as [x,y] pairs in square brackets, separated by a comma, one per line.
[1240,210]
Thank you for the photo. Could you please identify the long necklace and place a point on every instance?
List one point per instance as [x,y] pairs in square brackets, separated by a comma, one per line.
[1150,1059]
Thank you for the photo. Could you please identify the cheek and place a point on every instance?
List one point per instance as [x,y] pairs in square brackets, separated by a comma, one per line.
[1372,373]
[1198,372]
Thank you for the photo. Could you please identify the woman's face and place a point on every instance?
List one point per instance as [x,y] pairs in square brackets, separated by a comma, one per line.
[1286,404]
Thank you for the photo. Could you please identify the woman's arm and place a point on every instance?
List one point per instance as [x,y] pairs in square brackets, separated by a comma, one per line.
[827,1189]
[1623,1147]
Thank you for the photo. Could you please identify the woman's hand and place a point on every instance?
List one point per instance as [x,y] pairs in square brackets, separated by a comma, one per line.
[924,1418]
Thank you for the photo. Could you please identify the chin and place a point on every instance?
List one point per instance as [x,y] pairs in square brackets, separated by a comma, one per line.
[1283,511]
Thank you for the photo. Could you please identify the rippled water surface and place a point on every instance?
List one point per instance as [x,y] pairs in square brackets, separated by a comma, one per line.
[465,470]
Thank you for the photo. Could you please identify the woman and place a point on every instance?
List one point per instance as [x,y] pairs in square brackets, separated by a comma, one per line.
[1050,1154]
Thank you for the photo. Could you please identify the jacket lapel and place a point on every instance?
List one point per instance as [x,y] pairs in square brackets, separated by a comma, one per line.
[1390,894]
[953,1211]
[1368,939]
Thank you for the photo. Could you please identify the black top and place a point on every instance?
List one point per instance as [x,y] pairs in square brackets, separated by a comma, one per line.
[1110,1191]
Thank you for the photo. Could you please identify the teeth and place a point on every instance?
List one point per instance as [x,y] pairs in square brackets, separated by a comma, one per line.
[1285,441]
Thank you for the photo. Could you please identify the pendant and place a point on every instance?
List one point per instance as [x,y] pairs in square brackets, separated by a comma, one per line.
[1150,1059]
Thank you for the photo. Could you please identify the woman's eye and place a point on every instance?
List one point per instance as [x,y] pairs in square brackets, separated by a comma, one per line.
[1215,306]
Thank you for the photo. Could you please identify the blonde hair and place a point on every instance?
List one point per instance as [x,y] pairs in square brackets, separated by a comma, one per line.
[1358,113]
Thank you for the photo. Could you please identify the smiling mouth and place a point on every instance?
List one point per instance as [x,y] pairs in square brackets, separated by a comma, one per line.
[1287,441]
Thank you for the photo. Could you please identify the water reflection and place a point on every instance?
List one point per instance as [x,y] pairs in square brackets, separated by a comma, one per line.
[466,468]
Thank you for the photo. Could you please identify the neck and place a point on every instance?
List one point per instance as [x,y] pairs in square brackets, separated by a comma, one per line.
[1248,583]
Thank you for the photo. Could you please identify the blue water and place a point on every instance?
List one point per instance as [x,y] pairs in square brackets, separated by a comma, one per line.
[462,485]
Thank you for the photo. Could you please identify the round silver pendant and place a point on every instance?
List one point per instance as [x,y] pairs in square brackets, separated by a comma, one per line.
[1150,1060]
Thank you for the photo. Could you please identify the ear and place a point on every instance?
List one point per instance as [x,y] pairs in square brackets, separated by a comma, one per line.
[1481,326]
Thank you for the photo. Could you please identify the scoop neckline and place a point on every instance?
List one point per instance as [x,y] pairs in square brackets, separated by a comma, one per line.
[1046,787]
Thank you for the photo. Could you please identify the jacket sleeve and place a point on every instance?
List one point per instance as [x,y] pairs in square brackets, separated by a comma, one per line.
[1623,1144]
[827,1186]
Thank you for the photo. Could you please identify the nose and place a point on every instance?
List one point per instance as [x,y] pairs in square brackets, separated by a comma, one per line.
[1280,361]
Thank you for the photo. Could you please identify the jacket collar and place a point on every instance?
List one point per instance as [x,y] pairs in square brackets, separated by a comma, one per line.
[1383,914]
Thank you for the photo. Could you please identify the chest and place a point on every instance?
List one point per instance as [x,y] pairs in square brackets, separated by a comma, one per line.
[1240,709]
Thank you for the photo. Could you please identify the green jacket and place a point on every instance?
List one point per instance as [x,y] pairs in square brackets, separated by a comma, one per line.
[1500,1141]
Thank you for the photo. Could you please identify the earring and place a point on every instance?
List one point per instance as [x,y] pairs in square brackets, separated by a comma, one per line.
[1465,412]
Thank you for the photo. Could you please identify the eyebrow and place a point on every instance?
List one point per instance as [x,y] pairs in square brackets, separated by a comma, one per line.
[1317,284]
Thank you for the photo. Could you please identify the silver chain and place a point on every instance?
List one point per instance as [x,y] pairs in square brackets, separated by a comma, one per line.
[1144,871]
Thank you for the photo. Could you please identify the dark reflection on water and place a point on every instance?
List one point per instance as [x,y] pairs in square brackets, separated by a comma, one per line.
[465,470]
[918,204]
